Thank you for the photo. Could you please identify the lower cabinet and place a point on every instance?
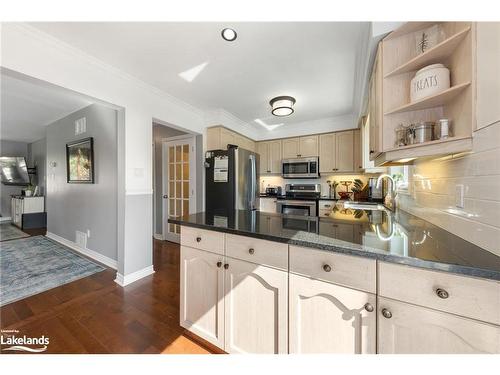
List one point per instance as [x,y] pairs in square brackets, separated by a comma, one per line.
[408,329]
[327,318]
[202,294]
[256,307]
[268,205]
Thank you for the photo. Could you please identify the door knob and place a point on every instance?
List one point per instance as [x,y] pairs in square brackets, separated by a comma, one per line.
[386,313]
[327,268]
[219,264]
[198,239]
[251,251]
[368,307]
[226,266]
[441,293]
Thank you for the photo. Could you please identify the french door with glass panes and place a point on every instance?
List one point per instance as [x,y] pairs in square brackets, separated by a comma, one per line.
[178,183]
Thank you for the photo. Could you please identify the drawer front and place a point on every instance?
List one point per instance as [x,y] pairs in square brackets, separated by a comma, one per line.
[202,239]
[326,205]
[324,213]
[267,253]
[465,296]
[354,272]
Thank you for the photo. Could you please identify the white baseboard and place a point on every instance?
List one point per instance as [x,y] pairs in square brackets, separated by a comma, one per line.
[134,276]
[111,263]
[5,218]
[158,236]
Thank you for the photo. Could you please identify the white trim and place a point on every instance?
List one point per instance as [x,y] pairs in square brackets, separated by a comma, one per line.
[5,218]
[111,263]
[134,276]
[139,192]
[158,236]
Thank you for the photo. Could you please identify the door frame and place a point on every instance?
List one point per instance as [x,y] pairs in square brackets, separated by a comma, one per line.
[166,142]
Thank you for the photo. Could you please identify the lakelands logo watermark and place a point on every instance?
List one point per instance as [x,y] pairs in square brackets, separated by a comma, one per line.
[10,340]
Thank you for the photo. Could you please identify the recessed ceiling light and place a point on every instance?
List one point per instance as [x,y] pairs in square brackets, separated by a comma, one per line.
[229,34]
[282,105]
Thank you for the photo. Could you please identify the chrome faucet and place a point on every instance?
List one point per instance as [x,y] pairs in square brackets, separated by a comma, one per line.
[391,204]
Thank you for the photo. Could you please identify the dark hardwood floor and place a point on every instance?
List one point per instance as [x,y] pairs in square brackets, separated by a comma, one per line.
[95,315]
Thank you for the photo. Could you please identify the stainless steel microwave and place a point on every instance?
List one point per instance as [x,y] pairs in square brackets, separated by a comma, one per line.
[300,168]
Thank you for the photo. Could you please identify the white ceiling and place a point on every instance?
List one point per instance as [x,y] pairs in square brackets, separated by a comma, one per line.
[317,63]
[28,107]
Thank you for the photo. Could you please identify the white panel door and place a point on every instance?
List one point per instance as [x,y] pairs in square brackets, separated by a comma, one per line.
[255,309]
[327,318]
[410,329]
[202,294]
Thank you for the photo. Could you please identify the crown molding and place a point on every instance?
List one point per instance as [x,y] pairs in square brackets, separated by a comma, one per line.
[44,37]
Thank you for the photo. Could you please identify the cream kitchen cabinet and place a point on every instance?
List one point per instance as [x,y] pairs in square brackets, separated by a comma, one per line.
[358,151]
[267,205]
[256,308]
[300,147]
[337,152]
[409,329]
[488,79]
[375,107]
[218,137]
[270,157]
[327,318]
[202,294]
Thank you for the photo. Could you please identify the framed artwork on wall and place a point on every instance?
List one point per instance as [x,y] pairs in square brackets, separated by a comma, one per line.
[80,161]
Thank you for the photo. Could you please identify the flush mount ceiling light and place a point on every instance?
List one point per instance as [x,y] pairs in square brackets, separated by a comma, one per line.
[229,34]
[282,105]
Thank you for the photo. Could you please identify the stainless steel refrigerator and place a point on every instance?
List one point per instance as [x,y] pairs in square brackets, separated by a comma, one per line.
[231,179]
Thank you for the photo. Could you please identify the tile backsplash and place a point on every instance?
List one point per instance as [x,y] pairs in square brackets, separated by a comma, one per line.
[433,190]
[272,181]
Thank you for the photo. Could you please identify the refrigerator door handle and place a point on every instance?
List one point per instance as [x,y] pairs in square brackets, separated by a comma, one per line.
[253,181]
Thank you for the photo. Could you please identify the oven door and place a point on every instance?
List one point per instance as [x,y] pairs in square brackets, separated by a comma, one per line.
[296,207]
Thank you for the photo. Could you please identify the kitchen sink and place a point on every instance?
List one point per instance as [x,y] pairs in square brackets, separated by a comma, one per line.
[373,206]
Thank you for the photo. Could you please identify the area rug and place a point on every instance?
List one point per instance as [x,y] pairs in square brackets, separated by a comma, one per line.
[32,265]
[10,232]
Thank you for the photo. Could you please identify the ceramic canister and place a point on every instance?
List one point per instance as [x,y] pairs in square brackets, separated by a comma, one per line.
[428,81]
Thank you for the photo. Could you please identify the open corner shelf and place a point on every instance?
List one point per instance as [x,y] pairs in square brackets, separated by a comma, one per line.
[431,101]
[433,55]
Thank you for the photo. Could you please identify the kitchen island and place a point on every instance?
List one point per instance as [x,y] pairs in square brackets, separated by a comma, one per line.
[360,281]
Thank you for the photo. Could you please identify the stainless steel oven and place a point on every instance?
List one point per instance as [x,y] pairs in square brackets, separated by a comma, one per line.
[296,207]
[300,168]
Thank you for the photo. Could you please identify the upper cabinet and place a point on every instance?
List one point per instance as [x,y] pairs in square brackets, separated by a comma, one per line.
[300,147]
[403,53]
[218,137]
[488,73]
[270,156]
[337,152]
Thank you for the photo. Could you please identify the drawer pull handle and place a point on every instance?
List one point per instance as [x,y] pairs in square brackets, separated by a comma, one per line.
[251,251]
[386,313]
[441,293]
[327,205]
[226,266]
[198,239]
[368,307]
[327,268]
[219,264]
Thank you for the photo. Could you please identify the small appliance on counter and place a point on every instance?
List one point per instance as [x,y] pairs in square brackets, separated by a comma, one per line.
[273,191]
[231,179]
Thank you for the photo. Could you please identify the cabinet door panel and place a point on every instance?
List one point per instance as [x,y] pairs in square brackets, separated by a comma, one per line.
[275,156]
[358,152]
[327,318]
[263,151]
[417,330]
[327,153]
[256,309]
[290,148]
[308,146]
[344,151]
[202,295]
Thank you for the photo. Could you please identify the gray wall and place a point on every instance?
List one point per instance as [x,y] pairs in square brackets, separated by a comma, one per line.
[11,148]
[37,156]
[160,132]
[82,207]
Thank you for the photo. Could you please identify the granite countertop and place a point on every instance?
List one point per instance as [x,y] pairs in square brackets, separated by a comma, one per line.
[322,198]
[396,237]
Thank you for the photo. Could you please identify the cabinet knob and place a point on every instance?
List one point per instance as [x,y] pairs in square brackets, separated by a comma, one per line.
[368,307]
[226,266]
[441,293]
[386,313]
[219,264]
[198,239]
[251,251]
[327,268]
[371,151]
